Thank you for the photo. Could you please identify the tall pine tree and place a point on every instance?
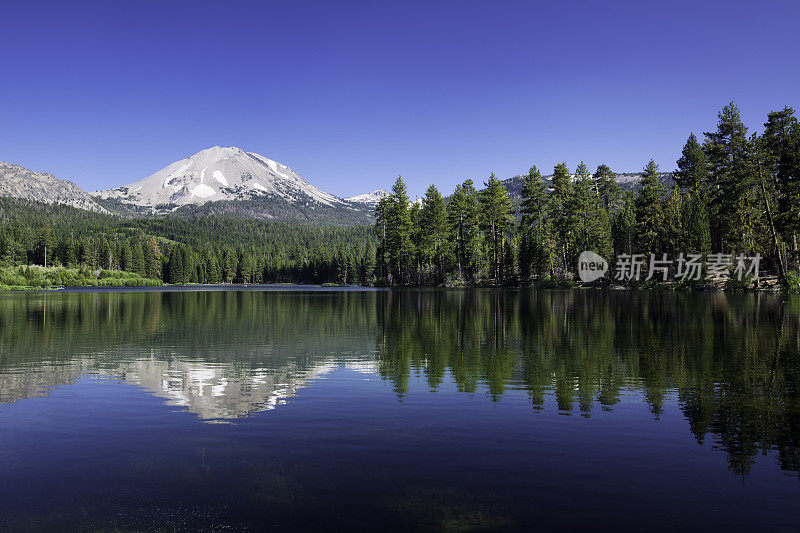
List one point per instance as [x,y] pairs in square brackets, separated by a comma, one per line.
[497,213]
[650,211]
[534,256]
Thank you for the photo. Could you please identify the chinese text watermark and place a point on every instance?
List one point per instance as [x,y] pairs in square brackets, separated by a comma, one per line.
[694,267]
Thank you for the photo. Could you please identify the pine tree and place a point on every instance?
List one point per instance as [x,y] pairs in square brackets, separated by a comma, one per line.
[592,225]
[45,241]
[650,211]
[433,225]
[734,201]
[692,169]
[693,178]
[382,211]
[126,256]
[246,267]
[152,258]
[674,235]
[137,260]
[497,213]
[781,151]
[606,186]
[533,257]
[89,254]
[230,264]
[561,213]
[399,230]
[463,220]
[175,267]
[624,226]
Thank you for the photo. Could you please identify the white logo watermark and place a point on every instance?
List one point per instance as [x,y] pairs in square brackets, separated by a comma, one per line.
[591,266]
[631,267]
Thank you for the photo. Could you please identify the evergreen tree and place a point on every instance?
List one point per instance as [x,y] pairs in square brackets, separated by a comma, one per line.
[382,211]
[592,221]
[433,225]
[230,264]
[463,220]
[693,178]
[734,199]
[137,259]
[45,241]
[152,258]
[692,169]
[606,186]
[246,267]
[781,149]
[126,256]
[89,254]
[534,257]
[497,213]
[399,230]
[674,234]
[564,219]
[624,226]
[416,259]
[650,211]
[175,272]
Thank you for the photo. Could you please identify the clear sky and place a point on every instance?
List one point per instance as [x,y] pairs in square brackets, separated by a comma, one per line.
[351,94]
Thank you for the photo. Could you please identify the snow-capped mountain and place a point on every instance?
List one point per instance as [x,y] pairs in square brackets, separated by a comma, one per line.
[370,198]
[219,174]
[19,182]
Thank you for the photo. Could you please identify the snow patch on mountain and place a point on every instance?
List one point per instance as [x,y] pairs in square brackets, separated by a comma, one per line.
[220,177]
[203,191]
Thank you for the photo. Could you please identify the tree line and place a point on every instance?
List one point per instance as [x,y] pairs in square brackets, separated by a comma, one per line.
[184,250]
[733,193]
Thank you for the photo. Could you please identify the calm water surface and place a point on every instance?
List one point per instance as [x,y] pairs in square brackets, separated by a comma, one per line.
[396,410]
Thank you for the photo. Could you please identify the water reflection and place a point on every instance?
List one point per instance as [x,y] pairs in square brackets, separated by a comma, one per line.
[730,362]
[217,355]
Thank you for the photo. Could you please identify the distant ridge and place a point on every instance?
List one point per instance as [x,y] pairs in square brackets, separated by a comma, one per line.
[370,198]
[20,182]
[626,181]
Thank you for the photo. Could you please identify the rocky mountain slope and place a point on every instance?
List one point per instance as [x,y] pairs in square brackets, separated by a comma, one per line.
[19,182]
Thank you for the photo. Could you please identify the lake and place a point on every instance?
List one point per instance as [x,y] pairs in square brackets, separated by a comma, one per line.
[435,410]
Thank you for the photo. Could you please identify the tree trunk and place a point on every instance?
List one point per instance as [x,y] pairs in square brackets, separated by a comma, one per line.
[781,266]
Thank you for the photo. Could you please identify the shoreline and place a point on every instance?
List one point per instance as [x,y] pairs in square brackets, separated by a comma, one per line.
[307,287]
[218,287]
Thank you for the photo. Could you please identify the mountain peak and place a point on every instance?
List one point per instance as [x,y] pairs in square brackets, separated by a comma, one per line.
[219,173]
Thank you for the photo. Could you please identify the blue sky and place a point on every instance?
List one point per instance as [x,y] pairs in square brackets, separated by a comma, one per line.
[351,94]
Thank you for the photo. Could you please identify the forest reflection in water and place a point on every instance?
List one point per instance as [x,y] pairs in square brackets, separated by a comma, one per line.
[729,362]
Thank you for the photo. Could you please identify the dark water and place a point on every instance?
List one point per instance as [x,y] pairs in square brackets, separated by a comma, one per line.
[398,410]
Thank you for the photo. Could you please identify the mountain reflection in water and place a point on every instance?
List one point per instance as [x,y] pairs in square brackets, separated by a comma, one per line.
[729,364]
